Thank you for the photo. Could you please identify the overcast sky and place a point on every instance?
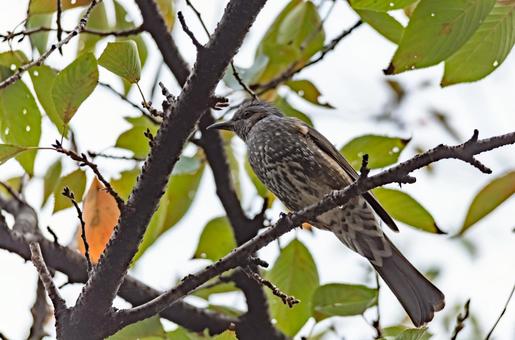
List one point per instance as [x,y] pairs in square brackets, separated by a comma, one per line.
[351,79]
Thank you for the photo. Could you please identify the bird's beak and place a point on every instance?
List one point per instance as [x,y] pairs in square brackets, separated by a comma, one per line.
[228,125]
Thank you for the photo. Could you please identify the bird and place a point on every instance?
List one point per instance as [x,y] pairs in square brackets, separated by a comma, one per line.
[300,166]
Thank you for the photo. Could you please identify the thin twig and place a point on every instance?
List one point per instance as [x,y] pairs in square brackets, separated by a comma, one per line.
[58,23]
[46,278]
[54,235]
[288,300]
[28,32]
[460,320]
[67,193]
[188,32]
[293,69]
[84,161]
[502,313]
[104,155]
[377,322]
[78,29]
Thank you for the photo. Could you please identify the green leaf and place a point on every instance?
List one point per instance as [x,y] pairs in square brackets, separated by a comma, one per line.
[20,121]
[39,40]
[10,61]
[174,204]
[14,183]
[406,209]
[150,327]
[224,287]
[186,165]
[338,299]
[436,30]
[489,198]
[49,6]
[73,85]
[295,36]
[125,183]
[121,58]
[380,5]
[384,24]
[283,105]
[294,273]
[43,78]
[166,10]
[134,140]
[97,21]
[226,310]
[308,91]
[486,50]
[76,182]
[216,240]
[8,151]
[381,150]
[414,334]
[50,179]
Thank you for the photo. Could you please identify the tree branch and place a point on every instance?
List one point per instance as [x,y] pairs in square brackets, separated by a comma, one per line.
[240,255]
[96,298]
[502,313]
[79,28]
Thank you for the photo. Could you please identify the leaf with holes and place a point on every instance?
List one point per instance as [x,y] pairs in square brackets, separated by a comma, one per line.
[73,85]
[308,91]
[100,213]
[76,182]
[50,179]
[489,198]
[10,61]
[383,23]
[486,50]
[216,240]
[294,273]
[380,6]
[406,209]
[20,122]
[121,58]
[49,6]
[381,150]
[338,299]
[436,30]
[43,78]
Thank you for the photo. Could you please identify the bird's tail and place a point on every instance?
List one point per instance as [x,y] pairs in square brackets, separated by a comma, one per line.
[419,297]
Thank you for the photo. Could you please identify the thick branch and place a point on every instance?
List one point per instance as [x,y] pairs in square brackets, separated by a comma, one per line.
[78,29]
[240,255]
[97,296]
[71,263]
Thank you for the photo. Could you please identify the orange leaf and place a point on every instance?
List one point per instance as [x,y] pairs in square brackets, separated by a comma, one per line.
[100,213]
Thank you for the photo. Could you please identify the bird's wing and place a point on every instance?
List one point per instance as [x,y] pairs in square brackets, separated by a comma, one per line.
[329,148]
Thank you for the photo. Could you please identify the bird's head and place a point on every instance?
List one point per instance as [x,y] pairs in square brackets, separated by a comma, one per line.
[246,117]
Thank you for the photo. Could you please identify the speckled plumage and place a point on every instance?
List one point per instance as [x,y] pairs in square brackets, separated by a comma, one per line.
[300,166]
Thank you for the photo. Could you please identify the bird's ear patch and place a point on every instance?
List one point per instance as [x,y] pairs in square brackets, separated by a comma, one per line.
[299,126]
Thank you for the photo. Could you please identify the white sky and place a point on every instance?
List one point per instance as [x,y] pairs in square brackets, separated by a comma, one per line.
[351,79]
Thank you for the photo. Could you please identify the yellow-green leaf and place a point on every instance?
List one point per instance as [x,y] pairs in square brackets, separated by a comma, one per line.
[406,209]
[308,91]
[8,151]
[43,78]
[121,58]
[338,299]
[489,198]
[20,121]
[486,50]
[49,6]
[294,273]
[50,179]
[73,85]
[381,150]
[380,5]
[150,328]
[383,23]
[216,240]
[436,30]
[10,61]
[76,182]
[124,184]
[39,40]
[166,9]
